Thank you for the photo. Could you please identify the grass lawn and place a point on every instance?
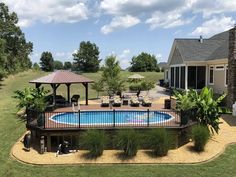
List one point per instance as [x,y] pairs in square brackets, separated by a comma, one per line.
[12,128]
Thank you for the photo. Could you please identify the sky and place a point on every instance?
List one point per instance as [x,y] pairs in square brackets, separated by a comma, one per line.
[124,28]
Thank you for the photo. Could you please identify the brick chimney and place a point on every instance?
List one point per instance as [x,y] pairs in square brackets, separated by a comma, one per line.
[232,68]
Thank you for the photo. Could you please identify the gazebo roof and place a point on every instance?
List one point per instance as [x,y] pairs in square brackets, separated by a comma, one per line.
[62,77]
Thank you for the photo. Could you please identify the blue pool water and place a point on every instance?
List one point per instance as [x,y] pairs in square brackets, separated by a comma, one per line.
[107,117]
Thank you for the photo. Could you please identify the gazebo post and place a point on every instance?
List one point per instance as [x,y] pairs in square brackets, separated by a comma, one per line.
[68,92]
[37,85]
[54,93]
[86,92]
[54,87]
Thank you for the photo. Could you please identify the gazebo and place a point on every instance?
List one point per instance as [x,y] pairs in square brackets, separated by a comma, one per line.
[59,77]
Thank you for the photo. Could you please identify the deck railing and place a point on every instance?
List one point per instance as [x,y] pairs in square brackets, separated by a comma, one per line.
[106,119]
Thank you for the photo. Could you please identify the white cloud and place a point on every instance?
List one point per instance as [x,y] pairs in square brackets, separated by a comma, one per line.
[210,7]
[56,11]
[120,23]
[121,7]
[167,20]
[214,25]
[124,58]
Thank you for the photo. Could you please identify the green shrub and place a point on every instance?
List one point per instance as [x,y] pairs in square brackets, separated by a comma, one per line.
[206,109]
[94,141]
[200,135]
[128,141]
[159,141]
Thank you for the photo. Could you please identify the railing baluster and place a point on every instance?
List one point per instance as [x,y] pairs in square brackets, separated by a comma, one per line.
[114,117]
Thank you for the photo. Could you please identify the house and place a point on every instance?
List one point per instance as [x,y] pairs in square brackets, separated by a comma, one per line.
[196,63]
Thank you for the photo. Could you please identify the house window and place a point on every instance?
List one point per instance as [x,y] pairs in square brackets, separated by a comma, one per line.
[226,75]
[211,75]
[177,77]
[182,77]
[219,67]
[172,76]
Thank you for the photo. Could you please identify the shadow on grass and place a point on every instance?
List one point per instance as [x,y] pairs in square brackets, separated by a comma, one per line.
[123,157]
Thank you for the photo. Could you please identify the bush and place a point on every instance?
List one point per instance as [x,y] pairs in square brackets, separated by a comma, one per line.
[128,141]
[200,136]
[159,141]
[94,141]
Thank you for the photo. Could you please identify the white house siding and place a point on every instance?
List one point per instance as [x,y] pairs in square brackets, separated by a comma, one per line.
[219,85]
[176,58]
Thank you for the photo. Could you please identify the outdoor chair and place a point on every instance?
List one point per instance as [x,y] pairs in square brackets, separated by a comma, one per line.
[134,101]
[117,101]
[105,101]
[146,101]
[75,98]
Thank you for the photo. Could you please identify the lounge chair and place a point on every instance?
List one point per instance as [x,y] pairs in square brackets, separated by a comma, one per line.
[146,101]
[134,101]
[117,101]
[105,101]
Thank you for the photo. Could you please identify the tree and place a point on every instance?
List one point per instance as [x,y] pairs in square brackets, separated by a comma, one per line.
[36,66]
[98,87]
[111,76]
[143,62]
[17,50]
[67,65]
[58,65]
[87,57]
[3,59]
[46,61]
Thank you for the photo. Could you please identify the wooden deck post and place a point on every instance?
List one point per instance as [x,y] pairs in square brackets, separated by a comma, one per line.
[68,92]
[54,87]
[86,92]
[49,143]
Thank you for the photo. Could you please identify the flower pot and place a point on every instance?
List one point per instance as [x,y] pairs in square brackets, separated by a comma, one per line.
[185,116]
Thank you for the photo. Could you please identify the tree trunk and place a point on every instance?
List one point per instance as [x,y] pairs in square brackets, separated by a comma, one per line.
[232,68]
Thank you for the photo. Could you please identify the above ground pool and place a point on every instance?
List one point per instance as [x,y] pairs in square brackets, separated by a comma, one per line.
[111,117]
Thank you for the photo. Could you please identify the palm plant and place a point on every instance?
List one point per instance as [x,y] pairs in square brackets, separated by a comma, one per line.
[208,112]
[207,108]
[31,98]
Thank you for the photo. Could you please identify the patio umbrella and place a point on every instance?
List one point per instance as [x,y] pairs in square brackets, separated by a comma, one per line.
[136,77]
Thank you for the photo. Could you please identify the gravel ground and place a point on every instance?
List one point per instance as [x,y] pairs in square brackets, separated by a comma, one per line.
[184,154]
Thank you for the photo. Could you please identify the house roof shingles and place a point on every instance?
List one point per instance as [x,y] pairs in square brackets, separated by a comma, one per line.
[62,77]
[215,47]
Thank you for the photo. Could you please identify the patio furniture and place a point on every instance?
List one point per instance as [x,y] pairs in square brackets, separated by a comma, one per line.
[146,101]
[117,101]
[134,101]
[167,104]
[125,101]
[75,98]
[105,101]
